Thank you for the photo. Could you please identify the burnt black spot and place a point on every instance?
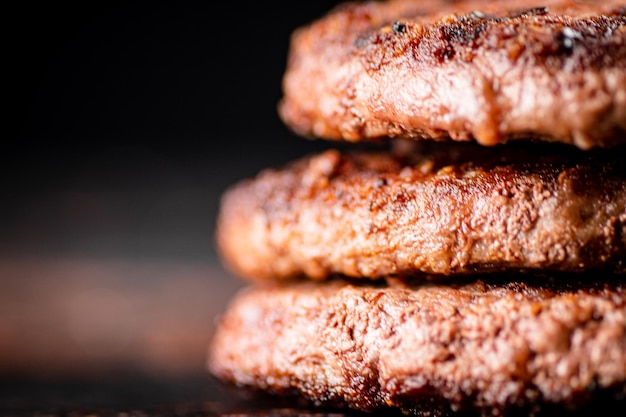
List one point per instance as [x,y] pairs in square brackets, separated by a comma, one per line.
[465,29]
[567,39]
[398,27]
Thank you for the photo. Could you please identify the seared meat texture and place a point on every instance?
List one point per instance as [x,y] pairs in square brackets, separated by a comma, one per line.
[489,71]
[489,347]
[447,209]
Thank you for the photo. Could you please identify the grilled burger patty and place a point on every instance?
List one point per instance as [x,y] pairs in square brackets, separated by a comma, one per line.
[489,71]
[442,276]
[488,346]
[454,208]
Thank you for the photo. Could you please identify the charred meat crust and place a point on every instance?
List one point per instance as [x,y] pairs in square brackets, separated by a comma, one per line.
[488,347]
[449,209]
[463,70]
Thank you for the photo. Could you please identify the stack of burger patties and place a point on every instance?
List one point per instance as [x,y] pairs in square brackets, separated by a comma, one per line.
[474,260]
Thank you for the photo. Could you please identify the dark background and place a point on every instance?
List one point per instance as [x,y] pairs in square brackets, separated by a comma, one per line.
[127,117]
[126,121]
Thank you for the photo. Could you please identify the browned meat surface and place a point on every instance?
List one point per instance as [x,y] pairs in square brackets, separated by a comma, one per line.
[489,71]
[457,208]
[486,346]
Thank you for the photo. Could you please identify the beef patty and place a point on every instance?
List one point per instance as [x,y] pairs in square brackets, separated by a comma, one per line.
[485,346]
[489,71]
[454,208]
